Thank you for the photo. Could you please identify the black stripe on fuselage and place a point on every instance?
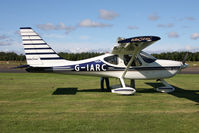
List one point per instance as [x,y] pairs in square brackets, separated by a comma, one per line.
[40,53]
[35,44]
[35,48]
[145,68]
[158,68]
[52,58]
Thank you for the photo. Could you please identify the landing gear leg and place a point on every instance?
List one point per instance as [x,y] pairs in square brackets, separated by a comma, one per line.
[122,82]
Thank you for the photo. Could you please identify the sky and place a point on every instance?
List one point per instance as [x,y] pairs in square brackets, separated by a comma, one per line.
[95,25]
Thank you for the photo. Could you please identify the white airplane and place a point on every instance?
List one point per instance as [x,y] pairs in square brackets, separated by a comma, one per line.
[127,61]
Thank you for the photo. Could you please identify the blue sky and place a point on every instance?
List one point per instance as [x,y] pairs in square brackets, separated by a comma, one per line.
[84,25]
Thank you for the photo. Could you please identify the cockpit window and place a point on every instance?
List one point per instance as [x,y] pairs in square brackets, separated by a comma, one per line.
[147,58]
[136,61]
[112,59]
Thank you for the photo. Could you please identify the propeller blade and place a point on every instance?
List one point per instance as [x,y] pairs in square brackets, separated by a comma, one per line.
[185,58]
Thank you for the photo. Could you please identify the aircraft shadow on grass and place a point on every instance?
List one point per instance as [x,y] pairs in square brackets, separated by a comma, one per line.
[73,91]
[179,92]
[65,91]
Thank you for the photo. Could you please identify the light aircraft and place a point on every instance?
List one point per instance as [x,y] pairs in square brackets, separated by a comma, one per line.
[127,61]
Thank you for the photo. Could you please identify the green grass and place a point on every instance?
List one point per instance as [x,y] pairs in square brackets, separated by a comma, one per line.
[12,62]
[193,63]
[65,103]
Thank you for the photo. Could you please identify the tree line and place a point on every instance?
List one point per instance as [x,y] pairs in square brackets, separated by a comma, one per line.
[178,56]
[11,56]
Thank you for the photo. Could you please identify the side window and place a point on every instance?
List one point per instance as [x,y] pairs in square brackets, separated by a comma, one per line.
[136,61]
[112,59]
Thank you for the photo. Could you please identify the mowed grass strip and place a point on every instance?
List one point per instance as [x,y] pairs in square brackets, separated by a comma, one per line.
[36,102]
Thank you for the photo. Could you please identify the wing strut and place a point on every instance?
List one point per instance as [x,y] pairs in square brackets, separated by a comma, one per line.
[130,62]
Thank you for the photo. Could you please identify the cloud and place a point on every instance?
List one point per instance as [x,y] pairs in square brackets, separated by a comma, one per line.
[47,26]
[2,37]
[80,50]
[195,36]
[17,33]
[90,23]
[153,17]
[107,15]
[5,43]
[55,35]
[190,18]
[5,40]
[133,27]
[173,35]
[185,26]
[68,29]
[60,26]
[83,37]
[165,25]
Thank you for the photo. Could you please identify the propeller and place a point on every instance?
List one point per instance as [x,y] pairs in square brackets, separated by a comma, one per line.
[185,58]
[184,65]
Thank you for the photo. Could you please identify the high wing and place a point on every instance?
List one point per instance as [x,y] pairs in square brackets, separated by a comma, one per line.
[133,46]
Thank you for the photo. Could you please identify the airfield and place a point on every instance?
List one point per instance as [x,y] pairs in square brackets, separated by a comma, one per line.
[42,102]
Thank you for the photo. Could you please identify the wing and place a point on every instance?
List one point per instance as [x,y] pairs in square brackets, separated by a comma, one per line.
[133,46]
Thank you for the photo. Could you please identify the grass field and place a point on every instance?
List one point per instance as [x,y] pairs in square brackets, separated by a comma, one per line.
[193,63]
[64,103]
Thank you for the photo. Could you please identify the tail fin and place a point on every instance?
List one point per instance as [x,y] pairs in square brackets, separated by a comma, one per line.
[37,51]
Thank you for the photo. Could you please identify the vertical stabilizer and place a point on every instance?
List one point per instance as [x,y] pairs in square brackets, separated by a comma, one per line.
[37,51]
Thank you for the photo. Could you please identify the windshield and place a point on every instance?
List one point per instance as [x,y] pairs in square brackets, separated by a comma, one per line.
[147,57]
[112,59]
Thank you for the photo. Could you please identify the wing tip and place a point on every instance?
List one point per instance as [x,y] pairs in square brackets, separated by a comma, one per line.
[155,38]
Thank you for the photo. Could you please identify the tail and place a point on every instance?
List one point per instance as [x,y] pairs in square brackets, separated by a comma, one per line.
[38,53]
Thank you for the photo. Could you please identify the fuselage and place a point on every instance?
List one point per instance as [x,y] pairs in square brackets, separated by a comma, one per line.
[110,65]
